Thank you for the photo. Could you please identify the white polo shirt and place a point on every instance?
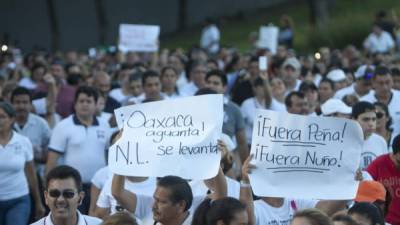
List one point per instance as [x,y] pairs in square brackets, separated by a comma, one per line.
[373,147]
[82,147]
[106,200]
[347,91]
[266,214]
[13,156]
[393,106]
[82,220]
[382,43]
[37,130]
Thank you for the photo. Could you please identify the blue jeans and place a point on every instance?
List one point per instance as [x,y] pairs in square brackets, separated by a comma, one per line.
[15,211]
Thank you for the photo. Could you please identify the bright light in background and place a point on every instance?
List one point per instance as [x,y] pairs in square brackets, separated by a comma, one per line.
[317,56]
[4,48]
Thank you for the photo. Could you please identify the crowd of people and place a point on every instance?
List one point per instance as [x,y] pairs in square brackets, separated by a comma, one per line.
[57,122]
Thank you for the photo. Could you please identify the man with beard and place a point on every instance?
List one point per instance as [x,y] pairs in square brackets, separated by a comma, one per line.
[386,169]
[63,195]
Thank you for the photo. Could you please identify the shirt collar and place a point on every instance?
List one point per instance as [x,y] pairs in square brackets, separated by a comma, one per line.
[78,122]
[81,219]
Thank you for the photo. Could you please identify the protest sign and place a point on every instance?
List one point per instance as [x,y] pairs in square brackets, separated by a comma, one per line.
[305,157]
[268,38]
[170,137]
[140,38]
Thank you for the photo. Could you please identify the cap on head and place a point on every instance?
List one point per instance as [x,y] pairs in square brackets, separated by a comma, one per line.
[332,106]
[292,62]
[336,75]
[370,191]
[365,71]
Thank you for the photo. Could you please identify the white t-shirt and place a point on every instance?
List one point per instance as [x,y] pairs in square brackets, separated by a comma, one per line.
[118,95]
[82,220]
[347,91]
[188,89]
[268,215]
[28,83]
[101,177]
[13,156]
[210,38]
[373,147]
[106,200]
[81,147]
[393,106]
[149,221]
[382,43]
[249,108]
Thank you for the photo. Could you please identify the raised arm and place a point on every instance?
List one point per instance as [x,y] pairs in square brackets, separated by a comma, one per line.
[127,199]
[246,195]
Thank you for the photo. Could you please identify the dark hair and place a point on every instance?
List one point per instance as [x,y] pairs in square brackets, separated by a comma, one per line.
[89,91]
[148,74]
[258,82]
[396,144]
[288,99]
[8,109]
[165,68]
[307,86]
[369,211]
[20,91]
[381,71]
[210,212]
[37,66]
[360,108]
[194,64]
[395,71]
[386,110]
[315,216]
[120,218]
[218,73]
[205,91]
[64,172]
[330,82]
[180,189]
[136,76]
[346,219]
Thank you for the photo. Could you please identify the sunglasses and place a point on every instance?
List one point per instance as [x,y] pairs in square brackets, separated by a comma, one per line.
[379,115]
[66,193]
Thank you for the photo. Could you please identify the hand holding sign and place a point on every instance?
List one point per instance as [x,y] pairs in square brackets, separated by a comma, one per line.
[305,157]
[171,137]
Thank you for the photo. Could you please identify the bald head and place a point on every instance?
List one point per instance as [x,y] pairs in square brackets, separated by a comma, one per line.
[102,82]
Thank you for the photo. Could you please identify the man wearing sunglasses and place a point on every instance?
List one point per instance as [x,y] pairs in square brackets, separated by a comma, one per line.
[63,195]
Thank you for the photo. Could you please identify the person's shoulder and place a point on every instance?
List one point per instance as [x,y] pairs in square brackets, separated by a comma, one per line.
[247,102]
[396,94]
[370,97]
[382,159]
[21,138]
[39,222]
[378,139]
[92,220]
[39,120]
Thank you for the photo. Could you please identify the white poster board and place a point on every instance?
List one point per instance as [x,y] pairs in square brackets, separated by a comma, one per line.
[306,157]
[268,38]
[170,137]
[138,38]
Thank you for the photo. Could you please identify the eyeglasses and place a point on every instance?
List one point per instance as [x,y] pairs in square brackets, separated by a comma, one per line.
[66,193]
[379,115]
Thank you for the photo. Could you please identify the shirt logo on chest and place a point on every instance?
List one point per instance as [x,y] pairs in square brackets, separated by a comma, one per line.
[101,134]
